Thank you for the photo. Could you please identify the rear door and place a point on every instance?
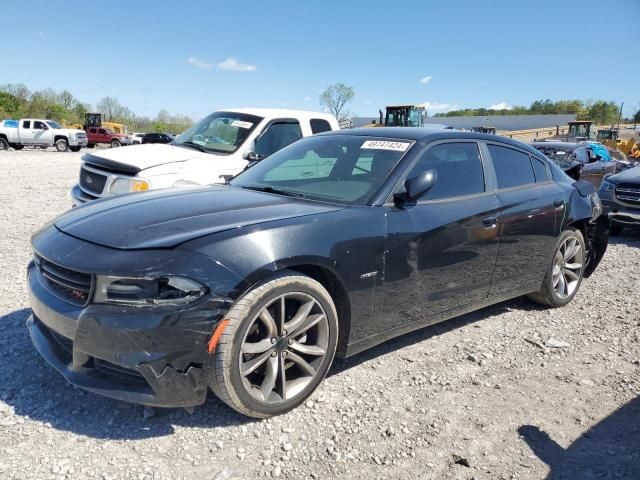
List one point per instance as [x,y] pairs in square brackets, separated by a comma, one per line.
[531,207]
[26,132]
[441,252]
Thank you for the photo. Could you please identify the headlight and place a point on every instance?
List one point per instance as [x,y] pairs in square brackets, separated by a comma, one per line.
[596,206]
[127,185]
[607,186]
[167,290]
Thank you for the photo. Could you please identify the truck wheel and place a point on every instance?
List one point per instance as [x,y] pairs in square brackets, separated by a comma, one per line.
[62,145]
[4,145]
[90,145]
[75,149]
[115,143]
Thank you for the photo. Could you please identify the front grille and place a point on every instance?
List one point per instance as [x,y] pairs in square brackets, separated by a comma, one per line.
[123,373]
[81,136]
[628,194]
[92,181]
[72,286]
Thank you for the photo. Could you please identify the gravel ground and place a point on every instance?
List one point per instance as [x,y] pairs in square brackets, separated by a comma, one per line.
[511,391]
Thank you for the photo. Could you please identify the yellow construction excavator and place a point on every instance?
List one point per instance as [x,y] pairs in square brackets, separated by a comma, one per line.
[611,138]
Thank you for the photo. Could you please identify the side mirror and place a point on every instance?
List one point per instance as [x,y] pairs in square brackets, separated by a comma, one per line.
[252,156]
[417,186]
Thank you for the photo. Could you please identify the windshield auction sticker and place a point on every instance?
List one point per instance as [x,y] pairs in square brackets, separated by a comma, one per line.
[241,124]
[386,145]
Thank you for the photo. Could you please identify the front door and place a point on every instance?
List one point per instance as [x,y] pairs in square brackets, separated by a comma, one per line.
[441,252]
[42,135]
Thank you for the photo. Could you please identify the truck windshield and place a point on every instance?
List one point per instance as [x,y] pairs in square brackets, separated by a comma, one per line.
[53,124]
[347,169]
[220,132]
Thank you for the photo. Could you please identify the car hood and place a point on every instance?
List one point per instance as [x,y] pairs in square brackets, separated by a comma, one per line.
[136,158]
[631,175]
[166,218]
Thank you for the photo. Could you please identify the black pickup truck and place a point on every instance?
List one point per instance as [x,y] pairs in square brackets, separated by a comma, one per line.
[620,195]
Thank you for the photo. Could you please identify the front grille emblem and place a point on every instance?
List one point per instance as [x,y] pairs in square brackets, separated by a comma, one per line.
[88,179]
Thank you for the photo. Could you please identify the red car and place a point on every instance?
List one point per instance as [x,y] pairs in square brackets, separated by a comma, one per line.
[104,135]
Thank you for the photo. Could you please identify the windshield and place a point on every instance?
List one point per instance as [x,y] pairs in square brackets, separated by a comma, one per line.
[53,124]
[336,168]
[220,132]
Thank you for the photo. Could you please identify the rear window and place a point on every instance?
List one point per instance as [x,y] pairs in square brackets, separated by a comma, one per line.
[318,125]
[26,124]
[513,168]
[539,170]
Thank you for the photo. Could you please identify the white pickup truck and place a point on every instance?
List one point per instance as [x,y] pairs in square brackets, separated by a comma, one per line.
[40,133]
[216,148]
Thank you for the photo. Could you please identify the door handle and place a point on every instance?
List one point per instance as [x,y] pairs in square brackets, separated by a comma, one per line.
[558,203]
[490,222]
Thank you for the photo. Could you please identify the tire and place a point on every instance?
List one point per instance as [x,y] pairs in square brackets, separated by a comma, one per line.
[91,145]
[4,145]
[62,145]
[75,149]
[552,293]
[246,329]
[17,147]
[115,143]
[615,230]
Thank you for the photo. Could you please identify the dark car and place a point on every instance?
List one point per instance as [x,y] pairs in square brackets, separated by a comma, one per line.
[334,244]
[620,195]
[579,160]
[156,138]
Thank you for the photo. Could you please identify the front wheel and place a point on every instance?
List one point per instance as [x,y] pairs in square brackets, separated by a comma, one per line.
[115,143]
[565,273]
[75,149]
[62,145]
[277,346]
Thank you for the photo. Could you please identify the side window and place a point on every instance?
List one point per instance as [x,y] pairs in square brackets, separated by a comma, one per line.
[459,170]
[318,125]
[539,170]
[581,155]
[277,136]
[102,131]
[26,124]
[39,125]
[513,168]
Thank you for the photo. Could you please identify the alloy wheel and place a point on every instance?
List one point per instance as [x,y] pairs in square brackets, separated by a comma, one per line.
[284,347]
[567,267]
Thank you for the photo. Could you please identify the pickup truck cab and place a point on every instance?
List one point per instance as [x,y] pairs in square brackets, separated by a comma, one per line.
[41,133]
[216,148]
[106,136]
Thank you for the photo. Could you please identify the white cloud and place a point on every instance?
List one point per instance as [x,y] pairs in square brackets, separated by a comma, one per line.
[198,63]
[501,106]
[233,65]
[435,107]
[426,79]
[307,98]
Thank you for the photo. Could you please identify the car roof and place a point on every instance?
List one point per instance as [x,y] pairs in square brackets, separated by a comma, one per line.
[282,113]
[427,135]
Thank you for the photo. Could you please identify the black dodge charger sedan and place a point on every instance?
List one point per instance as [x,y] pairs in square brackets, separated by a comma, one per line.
[330,246]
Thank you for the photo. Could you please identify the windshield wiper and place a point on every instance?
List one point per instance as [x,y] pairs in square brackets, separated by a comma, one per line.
[270,189]
[195,146]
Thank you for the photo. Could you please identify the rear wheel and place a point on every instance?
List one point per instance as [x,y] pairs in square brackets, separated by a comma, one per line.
[564,275]
[62,145]
[75,149]
[4,145]
[91,145]
[115,143]
[277,346]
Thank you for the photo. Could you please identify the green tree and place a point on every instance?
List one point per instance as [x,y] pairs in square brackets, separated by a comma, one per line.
[335,98]
[602,112]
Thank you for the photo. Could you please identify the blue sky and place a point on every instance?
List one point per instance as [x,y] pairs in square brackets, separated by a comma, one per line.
[193,57]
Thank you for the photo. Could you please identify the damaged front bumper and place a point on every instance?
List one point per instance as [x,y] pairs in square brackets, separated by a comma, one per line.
[147,355]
